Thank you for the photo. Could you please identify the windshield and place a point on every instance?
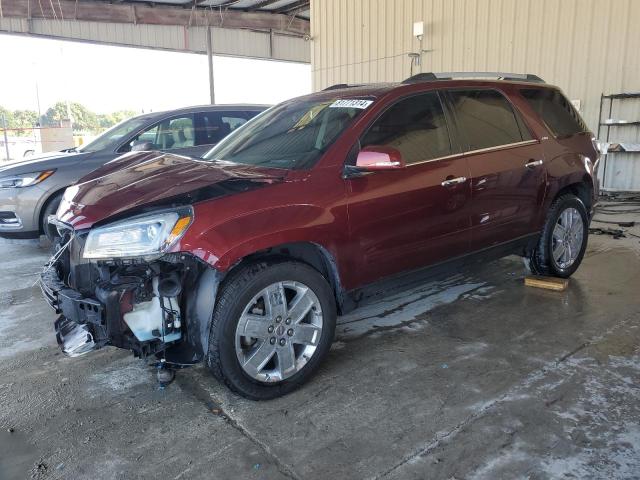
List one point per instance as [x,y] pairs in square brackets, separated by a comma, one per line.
[292,135]
[112,137]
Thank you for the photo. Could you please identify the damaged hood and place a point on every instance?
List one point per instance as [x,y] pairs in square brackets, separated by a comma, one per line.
[141,180]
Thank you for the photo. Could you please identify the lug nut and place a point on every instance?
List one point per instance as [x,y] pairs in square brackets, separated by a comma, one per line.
[282,342]
[270,329]
[288,321]
[278,319]
[272,341]
[290,332]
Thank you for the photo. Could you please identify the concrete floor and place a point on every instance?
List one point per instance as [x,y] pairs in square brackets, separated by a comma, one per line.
[471,377]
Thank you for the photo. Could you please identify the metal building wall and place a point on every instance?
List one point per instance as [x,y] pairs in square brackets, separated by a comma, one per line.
[226,41]
[586,47]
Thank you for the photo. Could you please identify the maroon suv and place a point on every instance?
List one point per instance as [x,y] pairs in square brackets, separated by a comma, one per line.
[244,259]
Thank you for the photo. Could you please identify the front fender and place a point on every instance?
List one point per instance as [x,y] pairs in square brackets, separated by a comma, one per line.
[224,244]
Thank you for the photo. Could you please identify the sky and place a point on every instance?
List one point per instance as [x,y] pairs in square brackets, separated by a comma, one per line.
[105,78]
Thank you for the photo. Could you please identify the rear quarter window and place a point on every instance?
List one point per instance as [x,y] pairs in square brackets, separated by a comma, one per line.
[555,110]
[486,119]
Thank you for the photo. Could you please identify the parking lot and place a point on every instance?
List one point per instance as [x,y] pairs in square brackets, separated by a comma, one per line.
[470,376]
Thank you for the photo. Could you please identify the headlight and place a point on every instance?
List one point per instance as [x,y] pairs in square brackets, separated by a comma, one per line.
[138,236]
[25,179]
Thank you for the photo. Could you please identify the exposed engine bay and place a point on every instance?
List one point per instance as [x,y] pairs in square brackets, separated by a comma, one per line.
[135,304]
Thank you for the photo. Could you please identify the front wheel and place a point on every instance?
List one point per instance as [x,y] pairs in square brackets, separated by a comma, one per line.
[50,209]
[564,238]
[272,326]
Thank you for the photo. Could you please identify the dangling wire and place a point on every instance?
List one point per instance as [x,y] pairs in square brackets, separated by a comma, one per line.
[55,257]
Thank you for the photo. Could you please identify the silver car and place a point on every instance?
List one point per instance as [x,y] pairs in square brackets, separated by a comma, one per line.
[31,190]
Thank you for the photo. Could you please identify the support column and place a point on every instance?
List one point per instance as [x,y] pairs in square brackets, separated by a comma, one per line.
[210,59]
[6,140]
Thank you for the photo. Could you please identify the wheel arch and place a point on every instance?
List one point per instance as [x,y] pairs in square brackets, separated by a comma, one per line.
[583,189]
[45,204]
[201,299]
[310,253]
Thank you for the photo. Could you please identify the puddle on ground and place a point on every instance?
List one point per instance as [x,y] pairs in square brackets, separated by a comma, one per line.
[20,296]
[624,345]
[406,306]
[17,456]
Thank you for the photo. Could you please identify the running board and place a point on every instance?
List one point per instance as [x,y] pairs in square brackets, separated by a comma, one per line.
[74,339]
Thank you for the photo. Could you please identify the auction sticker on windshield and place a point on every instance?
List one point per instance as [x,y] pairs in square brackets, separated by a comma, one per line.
[351,103]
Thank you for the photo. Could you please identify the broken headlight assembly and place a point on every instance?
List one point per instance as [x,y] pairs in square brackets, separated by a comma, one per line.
[140,236]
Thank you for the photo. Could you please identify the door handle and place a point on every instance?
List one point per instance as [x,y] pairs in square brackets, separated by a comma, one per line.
[533,163]
[453,181]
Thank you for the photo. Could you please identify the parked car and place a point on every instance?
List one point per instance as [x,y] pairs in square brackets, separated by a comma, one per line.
[31,190]
[244,258]
[19,147]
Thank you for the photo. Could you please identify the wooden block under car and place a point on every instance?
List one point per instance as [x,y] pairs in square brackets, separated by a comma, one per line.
[550,283]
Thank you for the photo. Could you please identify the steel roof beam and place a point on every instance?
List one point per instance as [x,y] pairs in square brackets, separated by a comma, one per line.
[94,11]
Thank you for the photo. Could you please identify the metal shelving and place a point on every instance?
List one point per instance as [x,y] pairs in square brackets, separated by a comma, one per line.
[618,146]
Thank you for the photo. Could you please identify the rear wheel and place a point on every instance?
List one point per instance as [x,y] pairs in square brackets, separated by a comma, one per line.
[272,326]
[564,238]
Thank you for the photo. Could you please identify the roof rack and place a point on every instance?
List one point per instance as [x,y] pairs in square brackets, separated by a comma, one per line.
[338,86]
[433,76]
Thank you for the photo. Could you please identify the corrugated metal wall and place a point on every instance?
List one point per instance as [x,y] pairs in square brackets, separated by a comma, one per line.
[586,47]
[226,41]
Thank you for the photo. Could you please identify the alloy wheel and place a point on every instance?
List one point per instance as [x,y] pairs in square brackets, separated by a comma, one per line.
[279,331]
[568,234]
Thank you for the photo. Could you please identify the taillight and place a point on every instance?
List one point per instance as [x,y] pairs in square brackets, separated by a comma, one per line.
[599,150]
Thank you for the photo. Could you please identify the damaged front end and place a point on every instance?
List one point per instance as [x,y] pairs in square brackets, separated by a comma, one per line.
[148,304]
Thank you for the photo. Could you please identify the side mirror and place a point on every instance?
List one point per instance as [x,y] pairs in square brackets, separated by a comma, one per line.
[378,158]
[141,146]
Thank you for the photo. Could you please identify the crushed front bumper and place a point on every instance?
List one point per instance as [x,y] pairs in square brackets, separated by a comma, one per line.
[118,304]
[79,317]
[68,302]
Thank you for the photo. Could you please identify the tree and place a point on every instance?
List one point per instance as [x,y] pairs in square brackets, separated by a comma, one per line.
[25,120]
[8,117]
[82,118]
[108,120]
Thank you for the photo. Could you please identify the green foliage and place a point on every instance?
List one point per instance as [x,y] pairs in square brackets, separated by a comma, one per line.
[84,120]
[8,117]
[19,119]
[25,119]
[110,119]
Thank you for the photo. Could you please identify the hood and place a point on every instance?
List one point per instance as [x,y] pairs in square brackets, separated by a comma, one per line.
[41,161]
[140,181]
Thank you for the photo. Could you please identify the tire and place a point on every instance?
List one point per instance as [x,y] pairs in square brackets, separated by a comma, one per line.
[542,260]
[242,307]
[51,208]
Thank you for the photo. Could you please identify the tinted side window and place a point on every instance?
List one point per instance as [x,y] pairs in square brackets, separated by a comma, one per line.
[211,127]
[175,132]
[556,111]
[485,119]
[415,126]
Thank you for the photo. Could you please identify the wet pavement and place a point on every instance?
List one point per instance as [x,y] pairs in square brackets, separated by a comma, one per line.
[472,376]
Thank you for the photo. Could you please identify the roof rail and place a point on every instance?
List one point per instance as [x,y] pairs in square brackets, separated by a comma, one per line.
[432,76]
[338,86]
